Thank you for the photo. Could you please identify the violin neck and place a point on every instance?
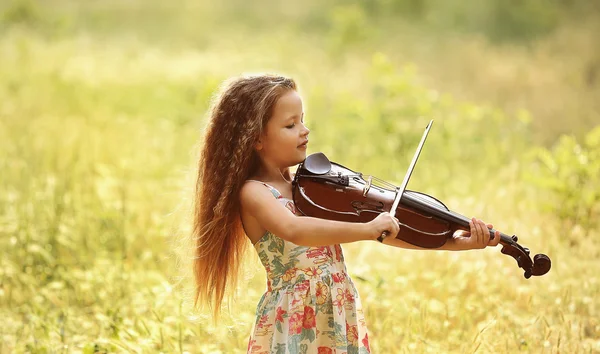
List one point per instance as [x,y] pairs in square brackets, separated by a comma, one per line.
[443,213]
[464,221]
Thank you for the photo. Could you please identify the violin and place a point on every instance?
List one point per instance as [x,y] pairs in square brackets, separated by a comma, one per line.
[327,190]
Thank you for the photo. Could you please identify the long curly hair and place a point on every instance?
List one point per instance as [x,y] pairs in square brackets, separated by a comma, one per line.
[238,116]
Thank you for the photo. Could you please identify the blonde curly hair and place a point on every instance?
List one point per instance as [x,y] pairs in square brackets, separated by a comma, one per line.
[238,116]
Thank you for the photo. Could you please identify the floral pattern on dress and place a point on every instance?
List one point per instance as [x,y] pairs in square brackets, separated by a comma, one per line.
[311,304]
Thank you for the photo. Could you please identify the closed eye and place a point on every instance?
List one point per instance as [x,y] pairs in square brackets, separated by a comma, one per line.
[294,124]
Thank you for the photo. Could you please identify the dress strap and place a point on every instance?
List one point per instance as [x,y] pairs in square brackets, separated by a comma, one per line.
[274,190]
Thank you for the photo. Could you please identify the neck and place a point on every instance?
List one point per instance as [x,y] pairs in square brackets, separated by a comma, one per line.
[271,173]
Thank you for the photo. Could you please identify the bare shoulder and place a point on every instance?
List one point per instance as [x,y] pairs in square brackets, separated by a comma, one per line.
[250,189]
[253,194]
[259,206]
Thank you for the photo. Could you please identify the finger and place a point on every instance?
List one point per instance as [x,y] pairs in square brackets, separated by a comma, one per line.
[496,239]
[494,242]
[473,231]
[485,234]
[488,238]
[490,227]
[473,234]
[480,226]
[391,227]
[461,233]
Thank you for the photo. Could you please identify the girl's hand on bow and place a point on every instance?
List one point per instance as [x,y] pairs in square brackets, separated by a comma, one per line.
[479,237]
[384,222]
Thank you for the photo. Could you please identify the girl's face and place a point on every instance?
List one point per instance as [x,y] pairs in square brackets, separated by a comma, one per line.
[284,141]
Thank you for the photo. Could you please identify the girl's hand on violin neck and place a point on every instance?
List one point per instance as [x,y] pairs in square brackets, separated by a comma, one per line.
[384,222]
[479,237]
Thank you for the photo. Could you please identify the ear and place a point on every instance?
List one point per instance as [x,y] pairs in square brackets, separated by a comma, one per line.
[260,142]
[259,145]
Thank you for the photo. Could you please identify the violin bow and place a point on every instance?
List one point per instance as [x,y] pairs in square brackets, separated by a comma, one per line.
[400,190]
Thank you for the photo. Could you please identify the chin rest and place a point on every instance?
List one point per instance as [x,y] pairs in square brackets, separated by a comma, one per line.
[317,164]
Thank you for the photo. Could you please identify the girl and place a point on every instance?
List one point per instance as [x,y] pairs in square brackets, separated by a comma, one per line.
[255,133]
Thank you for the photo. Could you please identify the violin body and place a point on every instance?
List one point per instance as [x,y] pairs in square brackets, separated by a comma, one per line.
[328,190]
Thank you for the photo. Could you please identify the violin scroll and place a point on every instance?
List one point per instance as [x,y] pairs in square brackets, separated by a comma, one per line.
[540,264]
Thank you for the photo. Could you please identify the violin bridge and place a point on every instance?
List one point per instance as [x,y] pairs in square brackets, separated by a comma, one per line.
[367,186]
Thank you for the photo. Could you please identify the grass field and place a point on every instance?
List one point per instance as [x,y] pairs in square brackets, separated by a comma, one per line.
[102,106]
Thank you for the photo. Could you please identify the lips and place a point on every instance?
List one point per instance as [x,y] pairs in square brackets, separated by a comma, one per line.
[303,144]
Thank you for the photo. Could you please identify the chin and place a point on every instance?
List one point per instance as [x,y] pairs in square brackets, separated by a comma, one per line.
[298,161]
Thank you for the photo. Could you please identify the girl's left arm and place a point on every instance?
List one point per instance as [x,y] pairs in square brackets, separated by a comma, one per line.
[477,238]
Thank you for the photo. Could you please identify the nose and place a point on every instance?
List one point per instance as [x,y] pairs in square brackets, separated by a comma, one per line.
[306,130]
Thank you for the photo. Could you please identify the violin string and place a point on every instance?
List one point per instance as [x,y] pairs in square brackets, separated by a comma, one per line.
[426,201]
[419,196]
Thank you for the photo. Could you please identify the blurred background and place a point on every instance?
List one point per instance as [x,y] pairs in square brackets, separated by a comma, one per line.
[102,105]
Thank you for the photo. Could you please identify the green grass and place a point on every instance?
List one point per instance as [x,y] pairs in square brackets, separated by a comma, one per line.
[98,131]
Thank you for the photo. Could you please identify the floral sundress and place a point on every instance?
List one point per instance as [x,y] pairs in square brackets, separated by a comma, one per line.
[310,304]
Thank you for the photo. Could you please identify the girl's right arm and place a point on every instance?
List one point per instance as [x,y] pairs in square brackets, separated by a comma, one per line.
[258,201]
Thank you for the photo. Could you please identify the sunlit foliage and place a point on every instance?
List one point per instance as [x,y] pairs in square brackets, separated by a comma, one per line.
[102,104]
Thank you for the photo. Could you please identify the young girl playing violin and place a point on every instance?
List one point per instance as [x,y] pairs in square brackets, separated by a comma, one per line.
[255,133]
